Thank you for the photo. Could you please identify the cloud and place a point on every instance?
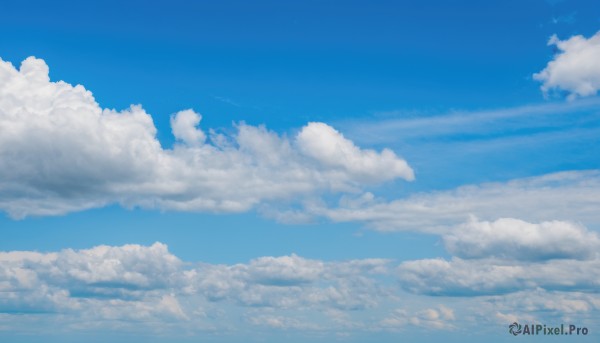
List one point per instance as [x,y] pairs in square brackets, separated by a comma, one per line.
[564,196]
[510,238]
[440,318]
[329,147]
[184,125]
[152,280]
[61,152]
[459,277]
[493,126]
[147,289]
[575,68]
[507,256]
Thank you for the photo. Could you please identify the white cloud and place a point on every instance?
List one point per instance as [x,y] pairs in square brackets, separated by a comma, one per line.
[510,238]
[183,125]
[575,68]
[431,318]
[564,196]
[286,270]
[61,152]
[148,283]
[494,127]
[328,146]
[147,289]
[507,256]
[459,277]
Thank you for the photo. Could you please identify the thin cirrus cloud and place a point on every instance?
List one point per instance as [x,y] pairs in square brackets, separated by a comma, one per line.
[575,67]
[61,152]
[565,196]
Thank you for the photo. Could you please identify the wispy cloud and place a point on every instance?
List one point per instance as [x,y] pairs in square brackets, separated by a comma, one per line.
[475,125]
[571,196]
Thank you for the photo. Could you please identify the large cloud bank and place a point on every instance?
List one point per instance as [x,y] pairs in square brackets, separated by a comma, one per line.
[61,152]
[148,289]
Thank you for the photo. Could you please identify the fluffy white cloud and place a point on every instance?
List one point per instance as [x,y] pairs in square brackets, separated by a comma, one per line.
[143,282]
[564,196]
[328,146]
[575,68]
[184,126]
[61,152]
[509,238]
[147,289]
[507,256]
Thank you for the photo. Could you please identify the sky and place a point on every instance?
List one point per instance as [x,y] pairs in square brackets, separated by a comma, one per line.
[308,171]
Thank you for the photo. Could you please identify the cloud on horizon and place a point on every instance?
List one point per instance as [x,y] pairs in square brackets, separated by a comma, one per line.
[149,289]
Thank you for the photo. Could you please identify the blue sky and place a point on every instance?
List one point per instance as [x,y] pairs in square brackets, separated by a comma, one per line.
[311,171]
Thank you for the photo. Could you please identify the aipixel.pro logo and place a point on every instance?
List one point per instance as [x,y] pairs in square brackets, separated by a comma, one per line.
[516,329]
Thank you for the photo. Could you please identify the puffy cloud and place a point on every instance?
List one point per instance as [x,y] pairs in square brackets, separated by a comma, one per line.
[147,289]
[328,146]
[575,68]
[508,256]
[293,281]
[563,196]
[510,238]
[286,270]
[61,152]
[54,281]
[184,125]
[148,283]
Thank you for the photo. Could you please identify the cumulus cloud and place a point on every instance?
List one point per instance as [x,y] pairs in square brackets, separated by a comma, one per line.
[148,289]
[148,282]
[184,126]
[508,256]
[510,238]
[328,146]
[575,68]
[61,152]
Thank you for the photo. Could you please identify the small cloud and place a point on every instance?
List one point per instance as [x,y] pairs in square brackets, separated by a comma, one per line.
[574,69]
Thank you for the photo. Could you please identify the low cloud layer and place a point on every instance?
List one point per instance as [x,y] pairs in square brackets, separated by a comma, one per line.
[147,286]
[61,152]
[148,289]
[575,67]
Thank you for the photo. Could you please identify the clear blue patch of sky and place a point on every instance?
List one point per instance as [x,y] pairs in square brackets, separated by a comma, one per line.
[212,238]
